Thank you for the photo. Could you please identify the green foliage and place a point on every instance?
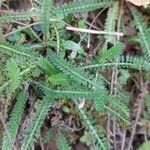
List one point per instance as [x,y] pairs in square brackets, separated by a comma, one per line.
[62,143]
[45,16]
[124,76]
[83,6]
[70,70]
[14,122]
[98,138]
[110,24]
[68,92]
[59,79]
[147,102]
[33,129]
[145,146]
[100,101]
[46,66]
[70,45]
[119,110]
[48,135]
[124,62]
[54,76]
[9,49]
[1,32]
[112,52]
[144,32]
[13,73]
[15,16]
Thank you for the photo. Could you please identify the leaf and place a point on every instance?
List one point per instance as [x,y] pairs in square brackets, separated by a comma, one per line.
[70,92]
[112,52]
[59,79]
[13,74]
[147,102]
[14,122]
[143,34]
[72,71]
[48,135]
[62,143]
[85,138]
[100,101]
[124,76]
[110,22]
[95,132]
[81,24]
[33,129]
[139,2]
[45,16]
[124,62]
[14,37]
[83,6]
[71,45]
[145,146]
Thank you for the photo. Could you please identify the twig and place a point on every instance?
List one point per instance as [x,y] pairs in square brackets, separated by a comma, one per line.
[119,17]
[141,102]
[114,134]
[27,26]
[93,31]
[135,125]
[123,140]
[92,24]
[114,81]
[41,143]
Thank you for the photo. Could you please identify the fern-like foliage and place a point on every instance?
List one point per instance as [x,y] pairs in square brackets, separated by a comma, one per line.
[45,16]
[35,125]
[62,143]
[124,62]
[110,24]
[73,72]
[83,6]
[100,101]
[98,138]
[105,103]
[118,109]
[13,74]
[9,49]
[68,92]
[111,53]
[48,135]
[144,32]
[80,6]
[16,16]
[47,67]
[14,122]
[20,75]
[23,60]
[59,79]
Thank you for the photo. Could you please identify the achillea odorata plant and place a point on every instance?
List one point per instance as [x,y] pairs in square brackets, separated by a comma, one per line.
[40,62]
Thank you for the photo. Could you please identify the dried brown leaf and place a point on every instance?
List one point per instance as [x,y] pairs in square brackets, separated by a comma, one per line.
[139,2]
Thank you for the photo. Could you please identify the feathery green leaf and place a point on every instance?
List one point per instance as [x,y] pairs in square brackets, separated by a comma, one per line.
[13,74]
[35,125]
[14,122]
[62,143]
